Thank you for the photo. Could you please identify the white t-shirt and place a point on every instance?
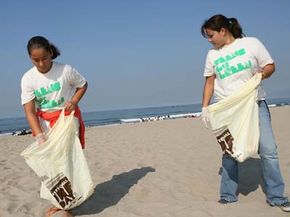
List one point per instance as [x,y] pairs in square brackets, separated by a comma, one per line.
[53,89]
[234,64]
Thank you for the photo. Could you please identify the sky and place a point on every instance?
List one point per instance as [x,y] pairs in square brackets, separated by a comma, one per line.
[134,53]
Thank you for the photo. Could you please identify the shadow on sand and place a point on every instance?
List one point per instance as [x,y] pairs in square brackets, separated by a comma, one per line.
[250,176]
[111,192]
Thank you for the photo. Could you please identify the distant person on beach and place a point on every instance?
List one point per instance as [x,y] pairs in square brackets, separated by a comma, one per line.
[47,88]
[230,45]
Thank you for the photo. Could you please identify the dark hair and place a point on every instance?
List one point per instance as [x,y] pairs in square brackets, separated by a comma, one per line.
[42,42]
[219,21]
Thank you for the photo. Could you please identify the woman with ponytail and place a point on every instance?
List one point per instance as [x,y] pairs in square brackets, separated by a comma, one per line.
[234,60]
[48,88]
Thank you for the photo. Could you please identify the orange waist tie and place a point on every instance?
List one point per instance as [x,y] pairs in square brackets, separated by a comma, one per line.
[53,116]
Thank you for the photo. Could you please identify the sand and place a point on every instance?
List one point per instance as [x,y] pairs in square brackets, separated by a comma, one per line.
[165,168]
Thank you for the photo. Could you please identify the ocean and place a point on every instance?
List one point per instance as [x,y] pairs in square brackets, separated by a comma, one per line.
[98,118]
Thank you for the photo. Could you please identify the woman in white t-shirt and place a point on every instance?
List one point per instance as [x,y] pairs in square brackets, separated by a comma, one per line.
[232,61]
[47,88]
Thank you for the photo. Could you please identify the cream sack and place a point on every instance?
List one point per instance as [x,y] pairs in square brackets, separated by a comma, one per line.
[235,121]
[60,163]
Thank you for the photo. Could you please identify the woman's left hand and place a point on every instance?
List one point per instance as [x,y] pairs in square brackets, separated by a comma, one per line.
[70,106]
[262,74]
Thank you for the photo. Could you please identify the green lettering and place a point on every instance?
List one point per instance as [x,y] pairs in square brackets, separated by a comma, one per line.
[52,103]
[241,67]
[234,70]
[216,62]
[241,52]
[230,57]
[222,64]
[219,69]
[248,64]
[226,73]
[43,91]
[219,61]
[55,86]
[37,93]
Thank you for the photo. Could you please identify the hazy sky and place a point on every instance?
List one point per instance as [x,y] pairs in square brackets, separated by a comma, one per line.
[134,53]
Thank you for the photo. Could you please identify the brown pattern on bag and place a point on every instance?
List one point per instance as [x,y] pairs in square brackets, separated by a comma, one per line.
[61,189]
[225,139]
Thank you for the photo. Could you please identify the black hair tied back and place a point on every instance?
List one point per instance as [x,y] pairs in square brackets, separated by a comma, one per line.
[42,42]
[219,21]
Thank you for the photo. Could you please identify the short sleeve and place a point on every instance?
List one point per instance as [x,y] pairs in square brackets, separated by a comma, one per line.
[27,91]
[75,78]
[209,67]
[262,54]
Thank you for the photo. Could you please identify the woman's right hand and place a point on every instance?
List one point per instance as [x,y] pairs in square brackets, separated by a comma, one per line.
[40,138]
[33,121]
[70,106]
[207,94]
[205,117]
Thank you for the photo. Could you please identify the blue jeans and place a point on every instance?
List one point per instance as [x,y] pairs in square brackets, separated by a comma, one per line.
[274,184]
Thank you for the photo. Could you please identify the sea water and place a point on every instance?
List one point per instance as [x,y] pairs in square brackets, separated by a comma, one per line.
[98,118]
[9,125]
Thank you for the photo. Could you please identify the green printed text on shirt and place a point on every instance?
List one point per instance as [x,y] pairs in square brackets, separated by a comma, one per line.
[225,68]
[44,91]
[45,104]
[41,96]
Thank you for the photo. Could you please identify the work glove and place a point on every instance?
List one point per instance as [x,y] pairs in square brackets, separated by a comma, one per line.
[40,138]
[205,117]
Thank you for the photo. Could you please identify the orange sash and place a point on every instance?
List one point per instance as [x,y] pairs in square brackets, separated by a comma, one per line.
[53,116]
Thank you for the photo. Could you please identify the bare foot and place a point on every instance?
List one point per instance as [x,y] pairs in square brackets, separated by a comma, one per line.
[62,213]
[51,211]
[56,212]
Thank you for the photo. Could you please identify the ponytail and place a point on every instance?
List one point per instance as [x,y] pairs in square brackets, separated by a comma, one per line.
[219,21]
[42,42]
[235,28]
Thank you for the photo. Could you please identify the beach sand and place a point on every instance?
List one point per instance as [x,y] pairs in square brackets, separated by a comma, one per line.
[165,168]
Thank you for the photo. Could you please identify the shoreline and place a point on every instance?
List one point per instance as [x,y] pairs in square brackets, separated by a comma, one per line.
[159,168]
[136,120]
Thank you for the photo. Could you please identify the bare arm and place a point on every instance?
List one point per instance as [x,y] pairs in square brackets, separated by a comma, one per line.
[32,118]
[80,92]
[208,90]
[268,70]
